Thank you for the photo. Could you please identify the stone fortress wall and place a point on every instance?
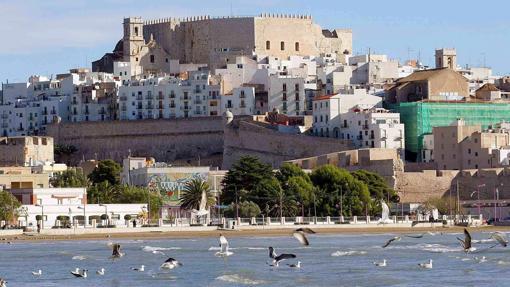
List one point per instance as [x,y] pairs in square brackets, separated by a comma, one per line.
[204,39]
[165,140]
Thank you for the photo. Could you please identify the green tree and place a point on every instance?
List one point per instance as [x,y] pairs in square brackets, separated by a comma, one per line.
[247,209]
[378,188]
[106,170]
[288,170]
[242,178]
[64,152]
[297,185]
[192,194]
[8,206]
[335,187]
[133,194]
[272,199]
[69,178]
[104,192]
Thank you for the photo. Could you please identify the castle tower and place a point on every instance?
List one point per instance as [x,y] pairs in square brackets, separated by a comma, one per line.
[133,38]
[446,58]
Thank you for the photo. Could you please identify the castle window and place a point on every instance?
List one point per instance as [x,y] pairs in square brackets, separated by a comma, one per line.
[268,45]
[166,60]
[136,59]
[152,58]
[136,31]
[296,46]
[282,45]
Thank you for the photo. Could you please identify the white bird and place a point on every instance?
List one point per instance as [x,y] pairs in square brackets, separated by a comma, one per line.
[224,247]
[481,259]
[170,263]
[100,272]
[426,265]
[296,266]
[80,274]
[76,270]
[381,263]
[139,269]
[37,273]
[500,238]
[3,283]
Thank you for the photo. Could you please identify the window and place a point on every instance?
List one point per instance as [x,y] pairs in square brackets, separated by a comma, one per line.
[321,118]
[326,118]
[282,46]
[296,46]
[268,45]
[469,151]
[284,87]
[136,31]
[476,153]
[297,106]
[152,58]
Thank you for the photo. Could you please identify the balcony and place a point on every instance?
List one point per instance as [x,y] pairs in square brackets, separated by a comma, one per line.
[365,127]
[149,97]
[150,107]
[185,98]
[87,112]
[242,96]
[53,112]
[5,125]
[20,129]
[102,112]
[172,106]
[139,107]
[139,97]
[161,97]
[172,96]
[197,91]
[372,137]
[197,102]
[359,137]
[186,108]
[123,109]
[45,113]
[197,112]
[123,98]
[242,106]
[74,102]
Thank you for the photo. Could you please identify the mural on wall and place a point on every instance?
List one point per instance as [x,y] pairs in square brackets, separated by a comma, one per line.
[171,184]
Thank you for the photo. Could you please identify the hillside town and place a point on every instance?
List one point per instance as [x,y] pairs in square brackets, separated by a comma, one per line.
[263,120]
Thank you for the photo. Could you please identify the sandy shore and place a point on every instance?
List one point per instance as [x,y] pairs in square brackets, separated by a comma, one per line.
[242,233]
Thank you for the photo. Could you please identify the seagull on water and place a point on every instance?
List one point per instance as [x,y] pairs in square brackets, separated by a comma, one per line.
[296,266]
[116,251]
[500,238]
[277,258]
[100,272]
[381,263]
[224,247]
[466,243]
[37,273]
[396,238]
[170,263]
[3,283]
[300,235]
[426,265]
[139,269]
[80,274]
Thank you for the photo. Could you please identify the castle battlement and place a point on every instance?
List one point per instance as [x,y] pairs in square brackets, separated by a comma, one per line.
[208,17]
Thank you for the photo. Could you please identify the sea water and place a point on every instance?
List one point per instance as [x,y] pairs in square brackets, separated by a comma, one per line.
[330,260]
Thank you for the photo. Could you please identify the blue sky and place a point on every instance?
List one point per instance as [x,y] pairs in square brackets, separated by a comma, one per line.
[49,37]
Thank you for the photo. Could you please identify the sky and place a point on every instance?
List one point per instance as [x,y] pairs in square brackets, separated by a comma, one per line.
[52,36]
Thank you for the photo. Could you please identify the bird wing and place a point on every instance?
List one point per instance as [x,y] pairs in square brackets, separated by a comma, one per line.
[272,254]
[301,237]
[500,238]
[223,244]
[462,243]
[467,240]
[414,236]
[388,242]
[116,249]
[306,230]
[284,256]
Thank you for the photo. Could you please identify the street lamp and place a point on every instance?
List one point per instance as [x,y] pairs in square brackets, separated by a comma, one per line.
[106,212]
[478,194]
[42,214]
[84,215]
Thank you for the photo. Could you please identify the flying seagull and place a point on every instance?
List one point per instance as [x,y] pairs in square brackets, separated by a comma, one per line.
[466,243]
[139,269]
[500,238]
[80,274]
[296,266]
[116,251]
[37,273]
[170,263]
[381,263]
[426,265]
[396,238]
[100,272]
[300,235]
[224,247]
[277,258]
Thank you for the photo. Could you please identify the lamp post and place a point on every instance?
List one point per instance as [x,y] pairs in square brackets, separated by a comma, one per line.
[42,214]
[478,196]
[106,212]
[84,215]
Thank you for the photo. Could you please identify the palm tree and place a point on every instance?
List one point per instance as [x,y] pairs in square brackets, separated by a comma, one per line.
[192,194]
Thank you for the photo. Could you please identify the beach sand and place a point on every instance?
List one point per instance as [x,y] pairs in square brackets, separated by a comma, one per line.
[246,233]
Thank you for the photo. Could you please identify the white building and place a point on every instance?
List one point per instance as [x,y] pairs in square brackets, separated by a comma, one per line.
[327,110]
[69,203]
[428,148]
[240,102]
[372,128]
[169,97]
[286,94]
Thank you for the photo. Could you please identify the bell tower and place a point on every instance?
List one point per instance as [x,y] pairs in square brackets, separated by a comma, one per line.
[133,38]
[446,58]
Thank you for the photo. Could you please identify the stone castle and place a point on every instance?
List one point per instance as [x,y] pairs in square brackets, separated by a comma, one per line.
[218,41]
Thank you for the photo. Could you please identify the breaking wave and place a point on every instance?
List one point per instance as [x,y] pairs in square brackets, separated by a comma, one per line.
[348,253]
[236,278]
[153,249]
